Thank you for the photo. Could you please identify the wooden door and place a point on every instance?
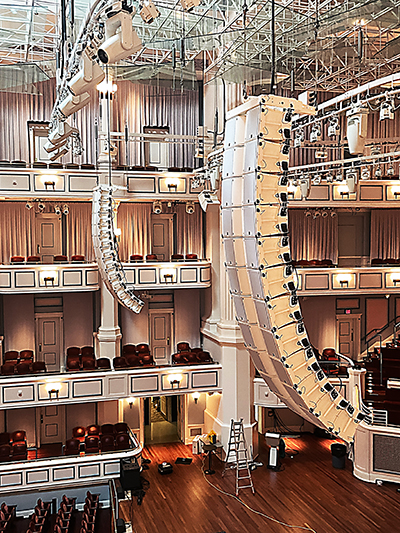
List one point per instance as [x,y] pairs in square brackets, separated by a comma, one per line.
[348,335]
[48,236]
[161,335]
[162,233]
[52,423]
[49,339]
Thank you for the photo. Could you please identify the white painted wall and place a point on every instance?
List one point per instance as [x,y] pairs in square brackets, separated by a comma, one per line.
[19,322]
[135,327]
[78,319]
[107,412]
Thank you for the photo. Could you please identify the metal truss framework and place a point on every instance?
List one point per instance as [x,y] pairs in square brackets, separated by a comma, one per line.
[330,44]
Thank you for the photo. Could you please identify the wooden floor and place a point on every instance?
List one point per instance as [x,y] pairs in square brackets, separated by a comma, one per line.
[308,492]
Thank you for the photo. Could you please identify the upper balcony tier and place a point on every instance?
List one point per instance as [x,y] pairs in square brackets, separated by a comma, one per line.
[64,276]
[46,183]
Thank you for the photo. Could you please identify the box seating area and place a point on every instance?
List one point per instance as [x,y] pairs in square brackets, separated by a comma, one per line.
[313,263]
[80,358]
[21,363]
[32,259]
[385,262]
[97,439]
[137,258]
[134,356]
[40,164]
[190,356]
[13,446]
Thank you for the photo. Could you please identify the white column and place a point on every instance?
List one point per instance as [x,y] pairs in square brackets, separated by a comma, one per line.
[109,334]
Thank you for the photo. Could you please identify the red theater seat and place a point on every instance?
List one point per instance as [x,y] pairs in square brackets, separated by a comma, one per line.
[5,452]
[11,357]
[19,451]
[79,432]
[136,258]
[17,259]
[78,258]
[107,429]
[72,447]
[60,258]
[107,443]
[18,436]
[38,366]
[122,441]
[129,349]
[142,348]
[93,429]
[23,368]
[103,363]
[121,427]
[183,347]
[176,257]
[119,362]
[26,355]
[92,443]
[191,257]
[33,259]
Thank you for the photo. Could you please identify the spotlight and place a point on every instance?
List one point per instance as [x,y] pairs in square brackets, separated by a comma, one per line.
[157,208]
[357,122]
[321,153]
[298,138]
[339,175]
[189,208]
[376,150]
[365,173]
[61,133]
[351,180]
[41,207]
[329,177]
[315,133]
[390,170]
[72,104]
[60,152]
[316,179]
[87,77]
[57,210]
[333,128]
[65,209]
[305,187]
[387,110]
[149,12]
[307,214]
[121,39]
[206,198]
[378,172]
[316,214]
[28,205]
[188,5]
[333,214]
[324,213]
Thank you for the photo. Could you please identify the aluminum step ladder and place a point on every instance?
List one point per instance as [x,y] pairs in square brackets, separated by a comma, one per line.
[237,449]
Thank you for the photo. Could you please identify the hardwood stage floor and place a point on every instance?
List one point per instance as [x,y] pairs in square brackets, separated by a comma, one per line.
[308,492]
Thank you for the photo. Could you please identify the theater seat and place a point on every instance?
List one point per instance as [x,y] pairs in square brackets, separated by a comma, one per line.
[143,348]
[79,432]
[23,368]
[92,444]
[5,452]
[17,259]
[11,356]
[33,259]
[93,429]
[60,258]
[18,436]
[73,364]
[176,257]
[88,363]
[191,257]
[26,355]
[119,362]
[7,369]
[72,447]
[129,349]
[121,427]
[183,347]
[107,443]
[147,359]
[38,366]
[74,351]
[107,429]
[151,257]
[136,258]
[133,360]
[87,350]
[19,451]
[77,258]
[122,441]
[103,363]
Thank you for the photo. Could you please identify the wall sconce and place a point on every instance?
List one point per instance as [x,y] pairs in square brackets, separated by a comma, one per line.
[49,281]
[49,182]
[131,401]
[196,396]
[395,277]
[172,184]
[53,390]
[343,190]
[117,233]
[49,185]
[175,379]
[396,192]
[344,280]
[168,275]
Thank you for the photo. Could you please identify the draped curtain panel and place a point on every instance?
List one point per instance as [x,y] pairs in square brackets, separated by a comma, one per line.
[313,238]
[18,230]
[79,230]
[385,234]
[189,231]
[134,220]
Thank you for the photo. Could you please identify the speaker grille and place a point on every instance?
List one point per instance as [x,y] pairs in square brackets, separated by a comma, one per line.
[386,455]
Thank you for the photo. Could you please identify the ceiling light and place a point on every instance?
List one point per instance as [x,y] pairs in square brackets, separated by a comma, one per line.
[28,205]
[351,180]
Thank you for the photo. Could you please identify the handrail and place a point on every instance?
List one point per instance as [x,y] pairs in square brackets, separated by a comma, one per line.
[114,508]
[380,330]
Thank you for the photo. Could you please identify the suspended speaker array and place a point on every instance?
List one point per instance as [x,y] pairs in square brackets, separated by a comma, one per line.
[106,250]
[261,276]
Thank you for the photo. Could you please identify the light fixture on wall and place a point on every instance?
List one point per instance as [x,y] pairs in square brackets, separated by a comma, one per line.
[50,185]
[65,209]
[48,281]
[343,190]
[172,184]
[41,207]
[131,401]
[190,208]
[174,380]
[28,205]
[396,192]
[57,209]
[343,280]
[53,390]
[157,208]
[196,396]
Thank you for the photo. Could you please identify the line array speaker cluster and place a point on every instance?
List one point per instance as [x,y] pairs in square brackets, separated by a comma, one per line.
[262,279]
[106,250]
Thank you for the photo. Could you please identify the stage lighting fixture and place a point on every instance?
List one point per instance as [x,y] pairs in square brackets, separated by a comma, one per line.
[305,187]
[329,177]
[365,173]
[206,198]
[41,207]
[28,205]
[190,208]
[188,5]
[157,208]
[65,209]
[333,128]
[316,179]
[57,210]
[61,133]
[87,77]
[149,12]
[60,152]
[324,213]
[71,104]
[307,213]
[121,39]
[351,180]
[315,133]
[387,110]
[357,122]
[339,175]
[378,172]
[390,170]
[321,153]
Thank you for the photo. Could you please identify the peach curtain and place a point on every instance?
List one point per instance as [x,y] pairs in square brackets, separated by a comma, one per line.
[17,230]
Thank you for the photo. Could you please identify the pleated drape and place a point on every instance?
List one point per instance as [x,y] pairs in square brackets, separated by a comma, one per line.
[134,220]
[18,230]
[313,238]
[189,232]
[79,233]
[385,234]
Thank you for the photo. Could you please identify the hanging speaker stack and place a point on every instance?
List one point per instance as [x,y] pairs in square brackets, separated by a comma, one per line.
[262,279]
[106,250]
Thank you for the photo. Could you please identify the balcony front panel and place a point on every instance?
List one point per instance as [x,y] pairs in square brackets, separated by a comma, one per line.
[63,471]
[77,387]
[174,275]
